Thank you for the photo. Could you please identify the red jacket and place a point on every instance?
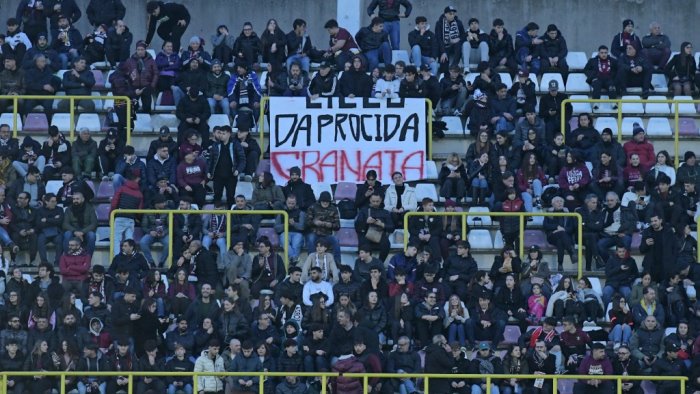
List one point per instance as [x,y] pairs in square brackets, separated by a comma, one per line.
[345,385]
[645,150]
[75,267]
[128,196]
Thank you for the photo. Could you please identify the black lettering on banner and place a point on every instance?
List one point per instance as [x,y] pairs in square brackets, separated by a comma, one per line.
[356,128]
[346,103]
[389,134]
[289,132]
[340,133]
[315,104]
[366,103]
[396,103]
[323,121]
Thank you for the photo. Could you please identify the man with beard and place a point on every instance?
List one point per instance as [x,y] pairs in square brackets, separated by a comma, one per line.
[49,219]
[67,42]
[128,257]
[22,227]
[98,283]
[41,48]
[74,264]
[80,221]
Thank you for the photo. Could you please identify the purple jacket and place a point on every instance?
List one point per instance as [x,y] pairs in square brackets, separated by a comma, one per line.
[191,174]
[168,65]
[147,76]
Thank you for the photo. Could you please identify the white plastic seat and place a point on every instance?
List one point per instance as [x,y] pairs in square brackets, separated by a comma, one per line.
[53,186]
[686,108]
[469,78]
[400,54]
[54,105]
[245,189]
[658,81]
[160,120]
[453,125]
[7,118]
[659,127]
[605,108]
[576,60]
[319,188]
[576,83]
[657,108]
[498,240]
[151,52]
[108,103]
[632,108]
[480,239]
[506,79]
[534,80]
[603,122]
[580,107]
[628,125]
[431,171]
[669,331]
[218,120]
[142,123]
[426,190]
[159,104]
[108,84]
[98,102]
[396,239]
[62,121]
[89,121]
[546,77]
[480,220]
[595,285]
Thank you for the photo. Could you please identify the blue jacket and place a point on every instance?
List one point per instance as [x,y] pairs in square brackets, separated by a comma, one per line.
[156,169]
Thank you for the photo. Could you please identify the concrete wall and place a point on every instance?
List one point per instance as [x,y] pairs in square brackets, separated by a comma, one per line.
[585,23]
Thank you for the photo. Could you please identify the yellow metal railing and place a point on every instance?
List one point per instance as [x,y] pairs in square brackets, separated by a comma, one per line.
[4,376]
[521,231]
[676,116]
[266,99]
[172,212]
[15,110]
[489,379]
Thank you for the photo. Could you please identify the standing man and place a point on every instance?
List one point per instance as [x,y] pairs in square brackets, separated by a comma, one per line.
[174,19]
[658,249]
[390,11]
[106,12]
[226,162]
[341,44]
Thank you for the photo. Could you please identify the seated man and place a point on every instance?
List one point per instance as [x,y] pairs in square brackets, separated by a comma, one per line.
[601,73]
[454,92]
[78,81]
[155,229]
[373,226]
[656,47]
[22,228]
[322,220]
[633,70]
[374,43]
[424,45]
[596,363]
[487,323]
[503,110]
[527,48]
[553,51]
[475,48]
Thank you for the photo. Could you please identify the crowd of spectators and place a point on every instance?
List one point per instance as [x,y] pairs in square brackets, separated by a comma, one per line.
[210,308]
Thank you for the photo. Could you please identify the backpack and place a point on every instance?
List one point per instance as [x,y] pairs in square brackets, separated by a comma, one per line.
[346,209]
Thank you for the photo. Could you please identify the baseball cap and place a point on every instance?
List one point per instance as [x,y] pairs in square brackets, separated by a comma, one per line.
[523,73]
[553,85]
[449,8]
[484,346]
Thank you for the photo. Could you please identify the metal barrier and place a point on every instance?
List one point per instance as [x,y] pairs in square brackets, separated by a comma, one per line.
[4,376]
[619,102]
[15,108]
[261,126]
[489,378]
[520,215]
[172,212]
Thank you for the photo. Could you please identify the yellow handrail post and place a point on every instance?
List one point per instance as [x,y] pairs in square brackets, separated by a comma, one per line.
[261,378]
[682,383]
[128,122]
[228,231]
[555,383]
[63,384]
[488,381]
[324,383]
[15,104]
[464,229]
[71,111]
[676,132]
[286,239]
[261,125]
[195,382]
[619,120]
[130,390]
[111,233]
[171,217]
[619,386]
[579,253]
[426,389]
[3,383]
[365,384]
[521,224]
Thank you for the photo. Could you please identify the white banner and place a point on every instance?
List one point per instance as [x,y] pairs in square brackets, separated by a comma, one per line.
[340,139]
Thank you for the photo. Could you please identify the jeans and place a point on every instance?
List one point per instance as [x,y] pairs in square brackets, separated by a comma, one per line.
[474,55]
[303,60]
[42,239]
[418,60]
[455,332]
[621,333]
[123,229]
[147,241]
[527,197]
[518,389]
[533,66]
[223,103]
[186,388]
[373,56]
[117,181]
[5,237]
[88,242]
[407,386]
[332,241]
[476,389]
[608,292]
[67,57]
[393,28]
[22,167]
[178,94]
[82,389]
[480,183]
[607,241]
[295,242]
[315,363]
[504,124]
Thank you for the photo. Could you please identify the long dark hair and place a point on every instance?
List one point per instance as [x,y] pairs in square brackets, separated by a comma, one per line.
[529,170]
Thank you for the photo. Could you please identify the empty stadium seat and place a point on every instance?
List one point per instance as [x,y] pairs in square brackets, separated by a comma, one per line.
[628,124]
[99,105]
[576,83]
[89,121]
[686,127]
[151,52]
[62,121]
[396,239]
[546,77]
[576,60]
[536,83]
[605,121]
[498,240]
[270,233]
[453,125]
[320,187]
[102,211]
[105,190]
[469,78]
[347,239]
[53,186]
[480,239]
[424,190]
[535,237]
[345,190]
[165,101]
[99,79]
[579,108]
[108,85]
[658,81]
[142,123]
[511,335]
[160,120]
[632,108]
[400,54]
[102,236]
[605,108]
[34,122]
[595,285]
[670,330]
[244,188]
[219,120]
[506,79]
[657,108]
[686,108]
[480,220]
[566,386]
[659,126]
[431,171]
